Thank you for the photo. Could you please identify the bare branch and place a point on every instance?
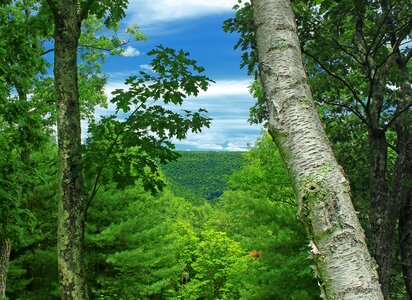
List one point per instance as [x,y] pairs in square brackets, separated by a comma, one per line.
[47,51]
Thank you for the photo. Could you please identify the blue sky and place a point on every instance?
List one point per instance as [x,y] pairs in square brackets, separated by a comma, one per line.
[196,27]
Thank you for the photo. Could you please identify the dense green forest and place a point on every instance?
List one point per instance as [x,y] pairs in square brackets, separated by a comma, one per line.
[97,203]
[201,174]
[246,245]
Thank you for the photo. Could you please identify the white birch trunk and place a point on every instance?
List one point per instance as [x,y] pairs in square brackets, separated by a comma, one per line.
[341,259]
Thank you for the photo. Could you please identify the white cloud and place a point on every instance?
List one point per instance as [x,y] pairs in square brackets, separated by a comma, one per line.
[122,75]
[228,88]
[228,103]
[130,52]
[144,12]
[228,135]
[146,68]
[222,88]
[235,147]
[112,86]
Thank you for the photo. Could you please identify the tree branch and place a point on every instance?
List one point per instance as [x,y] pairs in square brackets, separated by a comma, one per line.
[348,107]
[103,49]
[85,9]
[408,56]
[53,4]
[339,78]
[47,51]
[88,47]
[397,113]
[108,153]
[392,147]
[379,42]
[404,31]
[343,48]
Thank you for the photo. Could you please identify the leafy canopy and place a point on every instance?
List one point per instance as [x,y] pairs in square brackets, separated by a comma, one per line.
[129,144]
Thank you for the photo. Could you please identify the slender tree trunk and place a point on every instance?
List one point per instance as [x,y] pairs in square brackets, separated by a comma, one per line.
[403,185]
[341,258]
[403,188]
[72,202]
[383,214]
[405,241]
[5,248]
[401,192]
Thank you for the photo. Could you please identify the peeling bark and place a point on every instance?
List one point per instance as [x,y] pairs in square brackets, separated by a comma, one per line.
[5,248]
[341,258]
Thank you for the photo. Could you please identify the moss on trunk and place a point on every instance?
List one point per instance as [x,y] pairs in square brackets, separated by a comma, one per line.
[72,202]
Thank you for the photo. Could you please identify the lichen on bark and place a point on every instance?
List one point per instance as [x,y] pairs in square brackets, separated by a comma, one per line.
[72,202]
[344,264]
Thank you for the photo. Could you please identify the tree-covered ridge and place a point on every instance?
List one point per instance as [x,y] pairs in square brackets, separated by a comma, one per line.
[201,174]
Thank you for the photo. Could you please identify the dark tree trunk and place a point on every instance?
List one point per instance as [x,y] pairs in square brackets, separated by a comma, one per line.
[5,248]
[403,129]
[402,187]
[405,241]
[382,215]
[72,200]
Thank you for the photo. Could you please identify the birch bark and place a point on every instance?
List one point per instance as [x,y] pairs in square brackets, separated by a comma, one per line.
[341,259]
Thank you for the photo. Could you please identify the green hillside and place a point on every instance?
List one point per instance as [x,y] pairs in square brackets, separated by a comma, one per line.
[201,174]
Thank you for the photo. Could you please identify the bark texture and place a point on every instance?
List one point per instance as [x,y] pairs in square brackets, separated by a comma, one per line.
[405,239]
[401,192]
[341,259]
[72,202]
[402,182]
[383,212]
[389,197]
[5,248]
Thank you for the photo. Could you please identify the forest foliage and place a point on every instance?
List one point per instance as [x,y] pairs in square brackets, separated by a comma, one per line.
[142,246]
[210,225]
[200,175]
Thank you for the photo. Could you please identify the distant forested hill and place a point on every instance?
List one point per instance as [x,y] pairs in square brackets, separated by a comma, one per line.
[201,174]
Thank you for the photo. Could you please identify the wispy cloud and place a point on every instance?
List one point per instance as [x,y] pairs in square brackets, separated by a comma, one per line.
[146,67]
[228,103]
[222,88]
[130,52]
[228,88]
[145,12]
[222,138]
[112,86]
